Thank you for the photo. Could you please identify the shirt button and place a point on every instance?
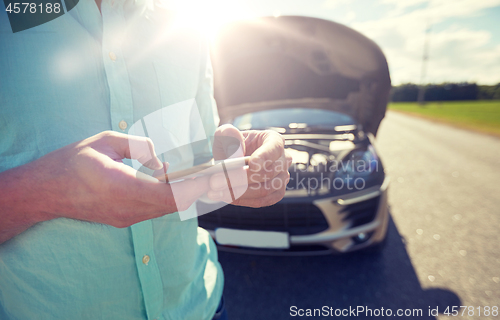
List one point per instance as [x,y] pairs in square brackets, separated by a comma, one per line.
[145,259]
[123,125]
[112,55]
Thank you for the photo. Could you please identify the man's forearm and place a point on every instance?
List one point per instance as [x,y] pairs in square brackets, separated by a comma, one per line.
[84,181]
[17,210]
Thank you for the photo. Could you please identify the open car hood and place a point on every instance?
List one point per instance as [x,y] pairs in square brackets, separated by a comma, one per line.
[294,61]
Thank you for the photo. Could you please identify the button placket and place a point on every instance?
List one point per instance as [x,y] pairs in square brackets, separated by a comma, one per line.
[149,274]
[122,114]
[121,101]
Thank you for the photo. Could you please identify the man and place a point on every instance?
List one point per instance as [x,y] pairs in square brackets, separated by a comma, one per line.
[80,235]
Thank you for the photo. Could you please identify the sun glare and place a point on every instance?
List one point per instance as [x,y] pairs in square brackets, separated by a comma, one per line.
[209,16]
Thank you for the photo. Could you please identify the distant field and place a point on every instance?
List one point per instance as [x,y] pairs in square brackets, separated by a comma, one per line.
[483,115]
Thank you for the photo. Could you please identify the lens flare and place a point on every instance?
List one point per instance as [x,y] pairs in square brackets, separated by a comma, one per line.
[208,16]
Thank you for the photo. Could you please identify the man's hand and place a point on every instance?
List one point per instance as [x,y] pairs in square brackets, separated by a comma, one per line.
[264,182]
[87,181]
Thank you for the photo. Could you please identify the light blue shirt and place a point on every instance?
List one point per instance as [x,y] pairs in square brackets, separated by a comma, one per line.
[67,80]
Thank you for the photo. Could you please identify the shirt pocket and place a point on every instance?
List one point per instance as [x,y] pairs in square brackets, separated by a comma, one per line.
[178,80]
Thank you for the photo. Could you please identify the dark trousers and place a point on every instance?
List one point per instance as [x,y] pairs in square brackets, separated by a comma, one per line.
[221,313]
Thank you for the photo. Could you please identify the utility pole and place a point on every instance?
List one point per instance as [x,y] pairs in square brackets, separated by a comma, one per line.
[425,58]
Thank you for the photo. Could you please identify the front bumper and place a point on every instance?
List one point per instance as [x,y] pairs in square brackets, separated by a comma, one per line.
[342,235]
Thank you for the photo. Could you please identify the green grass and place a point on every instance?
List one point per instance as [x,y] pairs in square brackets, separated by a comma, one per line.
[482,115]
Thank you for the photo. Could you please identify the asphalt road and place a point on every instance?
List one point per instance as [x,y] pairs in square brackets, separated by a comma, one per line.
[443,247]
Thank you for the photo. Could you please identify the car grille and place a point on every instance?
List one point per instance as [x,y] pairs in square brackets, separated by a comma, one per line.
[360,213]
[296,219]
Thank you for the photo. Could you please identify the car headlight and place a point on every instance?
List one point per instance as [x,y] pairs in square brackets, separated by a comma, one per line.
[358,164]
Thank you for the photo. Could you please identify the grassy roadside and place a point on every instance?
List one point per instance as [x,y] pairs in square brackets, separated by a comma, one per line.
[482,115]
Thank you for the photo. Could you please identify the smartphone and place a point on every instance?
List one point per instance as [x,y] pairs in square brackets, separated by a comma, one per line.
[204,169]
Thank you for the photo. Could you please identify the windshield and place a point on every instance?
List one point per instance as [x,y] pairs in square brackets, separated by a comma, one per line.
[282,118]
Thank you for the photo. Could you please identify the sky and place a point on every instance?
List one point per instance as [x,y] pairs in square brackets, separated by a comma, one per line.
[464,36]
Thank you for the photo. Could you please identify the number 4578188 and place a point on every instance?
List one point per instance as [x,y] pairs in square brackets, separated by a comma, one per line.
[471,311]
[27,7]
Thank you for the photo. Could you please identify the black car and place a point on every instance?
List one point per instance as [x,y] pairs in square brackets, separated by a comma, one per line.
[325,88]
